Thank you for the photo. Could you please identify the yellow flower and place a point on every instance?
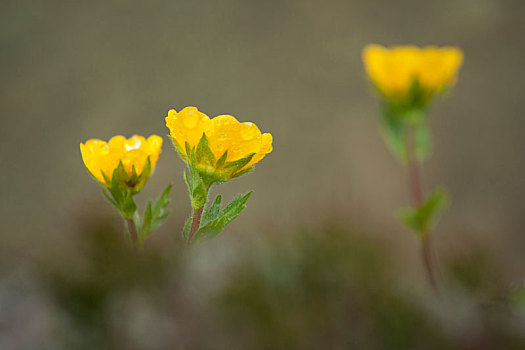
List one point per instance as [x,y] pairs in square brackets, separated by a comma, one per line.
[228,140]
[395,70]
[102,158]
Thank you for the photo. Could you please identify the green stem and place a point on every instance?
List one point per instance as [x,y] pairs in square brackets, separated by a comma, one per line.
[197,214]
[416,187]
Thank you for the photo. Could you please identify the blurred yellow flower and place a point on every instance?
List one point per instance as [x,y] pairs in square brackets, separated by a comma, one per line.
[395,70]
[228,139]
[102,158]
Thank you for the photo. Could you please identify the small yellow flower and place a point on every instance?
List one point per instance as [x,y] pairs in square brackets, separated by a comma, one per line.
[395,70]
[228,139]
[102,158]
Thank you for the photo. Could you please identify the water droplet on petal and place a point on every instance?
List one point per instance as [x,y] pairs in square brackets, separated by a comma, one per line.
[248,131]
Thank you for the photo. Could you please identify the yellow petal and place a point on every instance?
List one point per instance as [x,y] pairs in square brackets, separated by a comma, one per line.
[439,67]
[101,157]
[265,148]
[134,142]
[153,147]
[187,126]
[240,139]
[134,158]
[117,142]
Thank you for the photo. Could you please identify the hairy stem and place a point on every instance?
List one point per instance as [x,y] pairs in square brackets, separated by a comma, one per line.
[416,189]
[195,223]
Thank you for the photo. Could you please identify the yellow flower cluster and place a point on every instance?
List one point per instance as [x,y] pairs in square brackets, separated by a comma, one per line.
[224,134]
[394,70]
[104,157]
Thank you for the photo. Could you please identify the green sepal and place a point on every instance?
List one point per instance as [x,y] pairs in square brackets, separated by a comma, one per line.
[215,220]
[199,196]
[121,196]
[197,187]
[178,148]
[203,154]
[235,165]
[243,172]
[222,160]
[234,168]
[423,218]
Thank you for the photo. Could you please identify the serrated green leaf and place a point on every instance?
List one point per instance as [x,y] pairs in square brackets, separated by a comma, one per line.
[233,209]
[186,229]
[212,212]
[203,154]
[199,195]
[210,230]
[154,216]
[160,209]
[422,219]
[217,220]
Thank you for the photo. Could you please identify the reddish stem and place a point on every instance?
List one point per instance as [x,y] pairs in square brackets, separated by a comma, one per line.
[195,223]
[416,187]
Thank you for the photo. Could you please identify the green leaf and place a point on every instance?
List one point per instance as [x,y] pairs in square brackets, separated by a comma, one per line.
[145,229]
[204,155]
[160,209]
[212,212]
[199,195]
[216,221]
[423,218]
[235,207]
[393,132]
[186,229]
[210,230]
[154,216]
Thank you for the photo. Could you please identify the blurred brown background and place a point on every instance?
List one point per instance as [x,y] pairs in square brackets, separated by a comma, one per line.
[77,70]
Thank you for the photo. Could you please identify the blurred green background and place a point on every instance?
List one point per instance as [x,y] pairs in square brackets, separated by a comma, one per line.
[317,260]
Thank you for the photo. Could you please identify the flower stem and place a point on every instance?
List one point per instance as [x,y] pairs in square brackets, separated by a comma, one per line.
[195,223]
[132,232]
[416,188]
